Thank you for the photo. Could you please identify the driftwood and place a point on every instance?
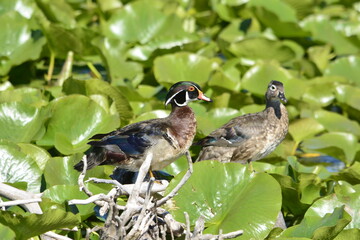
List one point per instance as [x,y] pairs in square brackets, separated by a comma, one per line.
[142,217]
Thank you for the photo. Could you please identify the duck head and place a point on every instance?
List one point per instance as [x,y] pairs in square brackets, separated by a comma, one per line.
[275,92]
[181,93]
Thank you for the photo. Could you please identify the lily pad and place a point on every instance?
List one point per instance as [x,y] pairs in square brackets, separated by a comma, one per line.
[70,134]
[229,197]
[337,122]
[304,128]
[341,145]
[257,78]
[347,67]
[262,48]
[183,66]
[17,166]
[27,226]
[18,44]
[20,122]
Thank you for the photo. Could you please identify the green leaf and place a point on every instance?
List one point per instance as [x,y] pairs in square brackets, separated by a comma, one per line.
[121,71]
[319,94]
[62,193]
[31,225]
[17,166]
[322,29]
[328,226]
[350,174]
[279,16]
[183,66]
[18,44]
[60,171]
[336,122]
[70,134]
[304,128]
[228,76]
[349,95]
[27,95]
[262,48]
[143,22]
[257,78]
[20,122]
[229,197]
[6,232]
[40,155]
[58,12]
[343,146]
[347,67]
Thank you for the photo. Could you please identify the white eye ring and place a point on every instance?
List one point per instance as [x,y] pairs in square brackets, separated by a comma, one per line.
[273,87]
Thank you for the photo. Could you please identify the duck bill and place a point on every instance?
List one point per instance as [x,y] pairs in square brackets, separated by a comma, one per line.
[203,97]
[282,97]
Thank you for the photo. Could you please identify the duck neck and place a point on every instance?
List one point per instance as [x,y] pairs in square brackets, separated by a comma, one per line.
[181,112]
[276,105]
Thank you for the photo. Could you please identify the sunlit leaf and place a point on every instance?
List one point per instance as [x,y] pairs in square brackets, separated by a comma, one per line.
[347,67]
[31,225]
[6,232]
[304,128]
[336,122]
[229,197]
[17,166]
[257,78]
[60,171]
[62,193]
[326,226]
[40,155]
[321,28]
[349,95]
[18,44]
[262,48]
[20,122]
[70,134]
[346,143]
[183,66]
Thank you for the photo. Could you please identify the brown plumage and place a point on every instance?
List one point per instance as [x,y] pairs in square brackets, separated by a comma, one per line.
[166,138]
[252,136]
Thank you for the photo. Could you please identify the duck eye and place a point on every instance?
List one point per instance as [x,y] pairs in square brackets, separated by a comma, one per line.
[273,87]
[191,88]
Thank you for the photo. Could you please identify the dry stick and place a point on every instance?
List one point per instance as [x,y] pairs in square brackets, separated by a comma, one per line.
[142,218]
[188,232]
[17,195]
[181,183]
[132,205]
[82,176]
[19,202]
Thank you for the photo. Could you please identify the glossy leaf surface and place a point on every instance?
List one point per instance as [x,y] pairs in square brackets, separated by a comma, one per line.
[237,191]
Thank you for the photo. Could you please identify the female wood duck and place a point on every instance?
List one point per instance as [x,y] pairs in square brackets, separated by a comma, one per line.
[252,136]
[167,138]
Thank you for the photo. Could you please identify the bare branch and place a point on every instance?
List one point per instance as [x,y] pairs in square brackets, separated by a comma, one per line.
[81,178]
[19,202]
[181,183]
[16,194]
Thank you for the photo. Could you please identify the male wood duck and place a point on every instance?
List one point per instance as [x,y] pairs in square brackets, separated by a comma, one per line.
[252,136]
[167,138]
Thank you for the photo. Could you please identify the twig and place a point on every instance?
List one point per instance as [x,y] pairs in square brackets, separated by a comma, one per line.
[16,194]
[181,183]
[19,202]
[187,232]
[81,184]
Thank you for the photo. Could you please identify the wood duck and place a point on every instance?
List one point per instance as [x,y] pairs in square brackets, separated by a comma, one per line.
[252,136]
[167,138]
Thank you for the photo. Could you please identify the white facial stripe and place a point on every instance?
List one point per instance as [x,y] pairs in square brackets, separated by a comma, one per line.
[169,100]
[187,99]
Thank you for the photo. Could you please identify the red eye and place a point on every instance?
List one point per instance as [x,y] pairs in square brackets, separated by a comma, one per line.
[191,88]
